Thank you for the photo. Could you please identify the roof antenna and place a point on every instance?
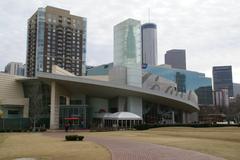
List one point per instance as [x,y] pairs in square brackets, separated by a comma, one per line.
[148,15]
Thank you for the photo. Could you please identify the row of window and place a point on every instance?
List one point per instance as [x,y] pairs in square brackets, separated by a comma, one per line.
[73,58]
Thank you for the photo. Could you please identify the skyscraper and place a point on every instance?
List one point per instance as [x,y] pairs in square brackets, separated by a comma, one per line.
[127,65]
[222,79]
[55,37]
[176,58]
[127,50]
[149,43]
[15,68]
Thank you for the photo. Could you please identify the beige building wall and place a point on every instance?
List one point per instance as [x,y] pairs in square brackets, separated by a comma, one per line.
[11,92]
[58,70]
[56,92]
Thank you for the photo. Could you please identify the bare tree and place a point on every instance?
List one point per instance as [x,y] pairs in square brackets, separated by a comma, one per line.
[37,107]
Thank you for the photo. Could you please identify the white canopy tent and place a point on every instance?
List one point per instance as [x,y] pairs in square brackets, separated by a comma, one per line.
[124,116]
[120,119]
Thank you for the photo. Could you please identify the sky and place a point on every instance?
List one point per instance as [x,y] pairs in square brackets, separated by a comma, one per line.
[209,30]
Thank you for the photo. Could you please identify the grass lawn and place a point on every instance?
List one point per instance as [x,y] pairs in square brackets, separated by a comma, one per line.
[35,145]
[221,142]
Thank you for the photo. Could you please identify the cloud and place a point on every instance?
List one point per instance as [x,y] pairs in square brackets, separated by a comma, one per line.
[208,30]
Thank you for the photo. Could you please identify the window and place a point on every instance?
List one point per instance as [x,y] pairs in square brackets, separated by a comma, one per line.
[13,112]
[63,100]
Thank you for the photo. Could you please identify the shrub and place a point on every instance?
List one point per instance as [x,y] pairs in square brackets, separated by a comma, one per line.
[74,138]
[16,130]
[43,129]
[195,125]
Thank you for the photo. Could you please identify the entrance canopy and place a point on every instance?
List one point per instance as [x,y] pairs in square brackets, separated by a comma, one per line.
[119,116]
[124,116]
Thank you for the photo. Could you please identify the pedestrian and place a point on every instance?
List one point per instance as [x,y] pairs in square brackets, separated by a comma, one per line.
[66,126]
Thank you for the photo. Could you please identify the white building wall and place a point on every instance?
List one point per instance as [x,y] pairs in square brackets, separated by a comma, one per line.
[11,92]
[134,105]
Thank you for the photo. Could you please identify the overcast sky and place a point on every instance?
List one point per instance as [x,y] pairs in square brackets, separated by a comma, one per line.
[209,30]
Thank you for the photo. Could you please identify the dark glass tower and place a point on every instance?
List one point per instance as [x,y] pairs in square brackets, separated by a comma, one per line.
[176,58]
[55,37]
[222,79]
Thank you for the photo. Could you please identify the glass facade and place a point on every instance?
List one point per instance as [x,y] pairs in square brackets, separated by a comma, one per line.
[222,79]
[181,82]
[84,45]
[160,114]
[187,81]
[127,50]
[205,95]
[40,39]
[73,114]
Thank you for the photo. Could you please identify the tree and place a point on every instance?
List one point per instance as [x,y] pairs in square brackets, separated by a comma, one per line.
[38,107]
[233,112]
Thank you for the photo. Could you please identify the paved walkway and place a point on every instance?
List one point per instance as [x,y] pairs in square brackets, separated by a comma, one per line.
[125,149]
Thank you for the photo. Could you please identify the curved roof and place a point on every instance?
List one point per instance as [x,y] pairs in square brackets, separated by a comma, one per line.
[149,25]
[109,90]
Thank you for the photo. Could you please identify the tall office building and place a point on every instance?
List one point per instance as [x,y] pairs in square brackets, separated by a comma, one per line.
[15,68]
[127,50]
[176,58]
[127,65]
[55,37]
[149,44]
[222,79]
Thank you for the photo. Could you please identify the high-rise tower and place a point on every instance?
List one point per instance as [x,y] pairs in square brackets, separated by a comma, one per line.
[149,44]
[55,37]
[222,79]
[127,65]
[127,50]
[176,58]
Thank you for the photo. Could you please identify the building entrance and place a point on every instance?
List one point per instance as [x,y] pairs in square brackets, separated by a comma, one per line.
[74,115]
